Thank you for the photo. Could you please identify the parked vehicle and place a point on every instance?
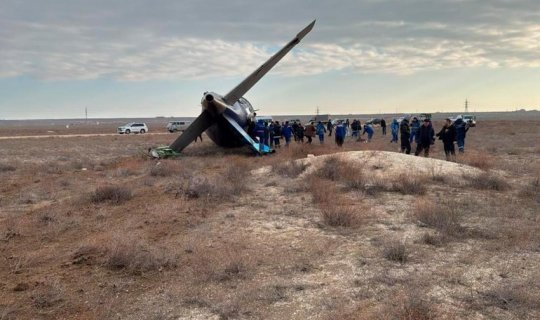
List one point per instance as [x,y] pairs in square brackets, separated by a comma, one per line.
[133,127]
[374,121]
[264,118]
[470,119]
[174,126]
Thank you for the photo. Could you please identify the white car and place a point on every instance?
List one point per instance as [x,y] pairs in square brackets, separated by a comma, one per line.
[133,127]
[173,126]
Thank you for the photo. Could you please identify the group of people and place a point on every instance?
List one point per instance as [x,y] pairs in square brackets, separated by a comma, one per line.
[271,133]
[408,131]
[423,134]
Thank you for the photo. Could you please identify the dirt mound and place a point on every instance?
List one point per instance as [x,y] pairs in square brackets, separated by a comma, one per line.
[393,163]
[388,164]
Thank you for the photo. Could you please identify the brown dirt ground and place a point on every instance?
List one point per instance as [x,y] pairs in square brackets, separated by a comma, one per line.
[219,234]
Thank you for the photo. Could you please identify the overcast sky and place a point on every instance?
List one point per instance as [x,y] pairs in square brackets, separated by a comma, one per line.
[155,58]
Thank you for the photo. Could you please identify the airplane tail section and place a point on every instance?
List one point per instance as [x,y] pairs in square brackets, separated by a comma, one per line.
[253,78]
[203,122]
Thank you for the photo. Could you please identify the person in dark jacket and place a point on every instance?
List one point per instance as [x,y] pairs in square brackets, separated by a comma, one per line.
[310,132]
[425,138]
[287,133]
[395,128]
[340,134]
[329,127]
[383,127]
[294,127]
[260,133]
[415,126]
[300,133]
[461,132]
[321,130]
[405,131]
[277,134]
[448,136]
[271,133]
[369,131]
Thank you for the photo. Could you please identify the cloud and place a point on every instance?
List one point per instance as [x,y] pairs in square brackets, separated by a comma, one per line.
[141,40]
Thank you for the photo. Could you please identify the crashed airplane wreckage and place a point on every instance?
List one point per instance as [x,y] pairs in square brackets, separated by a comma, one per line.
[226,118]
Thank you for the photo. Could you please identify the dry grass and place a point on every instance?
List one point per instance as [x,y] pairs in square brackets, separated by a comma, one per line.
[135,257]
[478,159]
[410,184]
[6,167]
[488,181]
[111,194]
[290,169]
[341,216]
[531,190]
[395,251]
[242,247]
[445,217]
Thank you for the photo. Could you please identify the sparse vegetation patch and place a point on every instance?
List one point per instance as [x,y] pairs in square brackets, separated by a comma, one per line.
[112,194]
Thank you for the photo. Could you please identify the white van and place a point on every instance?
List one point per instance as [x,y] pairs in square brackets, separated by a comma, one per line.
[264,119]
[173,126]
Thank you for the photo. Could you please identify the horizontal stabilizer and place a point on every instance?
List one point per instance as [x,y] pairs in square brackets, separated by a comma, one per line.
[241,89]
[203,122]
[247,139]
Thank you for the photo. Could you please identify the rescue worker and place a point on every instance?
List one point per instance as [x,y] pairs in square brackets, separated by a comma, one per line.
[287,132]
[405,131]
[260,133]
[294,127]
[277,134]
[425,138]
[415,126]
[383,127]
[355,128]
[340,134]
[266,134]
[321,130]
[369,130]
[310,132]
[271,133]
[461,131]
[329,127]
[448,136]
[395,128]
[300,133]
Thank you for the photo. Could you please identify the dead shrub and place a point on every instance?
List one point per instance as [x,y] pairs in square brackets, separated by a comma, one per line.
[223,265]
[409,184]
[488,181]
[395,251]
[433,239]
[354,177]
[322,191]
[290,169]
[531,190]
[5,167]
[47,297]
[234,179]
[513,297]
[112,194]
[164,169]
[411,307]
[331,169]
[86,254]
[444,217]
[478,159]
[341,216]
[136,258]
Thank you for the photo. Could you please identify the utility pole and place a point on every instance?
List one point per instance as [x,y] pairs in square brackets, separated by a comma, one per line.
[86,114]
[466,106]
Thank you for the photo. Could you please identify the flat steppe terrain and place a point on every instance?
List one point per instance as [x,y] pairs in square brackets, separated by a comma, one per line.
[90,228]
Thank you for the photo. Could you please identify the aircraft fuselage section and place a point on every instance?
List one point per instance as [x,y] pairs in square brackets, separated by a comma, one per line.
[221,132]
